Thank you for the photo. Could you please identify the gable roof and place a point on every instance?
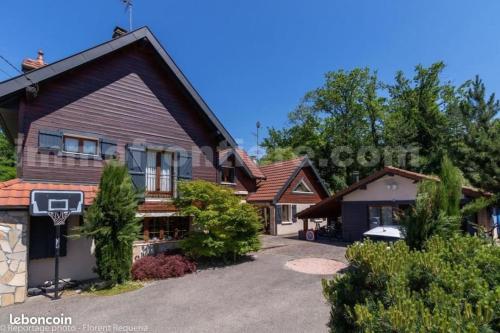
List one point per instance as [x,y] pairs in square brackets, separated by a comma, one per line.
[279,175]
[332,202]
[14,85]
[244,160]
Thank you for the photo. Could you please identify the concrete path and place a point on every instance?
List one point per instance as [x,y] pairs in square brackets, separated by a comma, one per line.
[255,296]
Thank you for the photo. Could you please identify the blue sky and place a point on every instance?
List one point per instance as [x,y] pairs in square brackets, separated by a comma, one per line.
[254,60]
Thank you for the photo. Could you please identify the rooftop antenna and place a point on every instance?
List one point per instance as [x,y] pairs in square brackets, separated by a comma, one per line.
[257,125]
[128,8]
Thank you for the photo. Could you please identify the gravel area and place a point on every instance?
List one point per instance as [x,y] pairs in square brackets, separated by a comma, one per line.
[318,266]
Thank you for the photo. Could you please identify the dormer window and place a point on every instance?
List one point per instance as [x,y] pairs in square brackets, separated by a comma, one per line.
[227,172]
[302,187]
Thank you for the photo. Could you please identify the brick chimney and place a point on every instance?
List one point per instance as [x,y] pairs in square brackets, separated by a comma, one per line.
[30,64]
[118,32]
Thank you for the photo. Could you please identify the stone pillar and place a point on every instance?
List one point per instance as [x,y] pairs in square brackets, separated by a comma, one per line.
[13,256]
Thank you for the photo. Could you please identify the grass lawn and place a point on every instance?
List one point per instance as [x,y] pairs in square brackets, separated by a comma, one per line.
[115,290]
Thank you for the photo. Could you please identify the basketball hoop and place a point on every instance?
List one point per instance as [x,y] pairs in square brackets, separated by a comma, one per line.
[59,216]
[59,205]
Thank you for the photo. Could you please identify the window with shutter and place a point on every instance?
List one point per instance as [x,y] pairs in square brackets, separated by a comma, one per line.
[159,173]
[80,145]
[285,214]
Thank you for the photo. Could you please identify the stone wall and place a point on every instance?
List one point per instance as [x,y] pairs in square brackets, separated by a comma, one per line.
[13,256]
[141,249]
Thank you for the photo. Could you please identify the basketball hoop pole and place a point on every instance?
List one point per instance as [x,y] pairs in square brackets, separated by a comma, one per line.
[58,243]
[59,218]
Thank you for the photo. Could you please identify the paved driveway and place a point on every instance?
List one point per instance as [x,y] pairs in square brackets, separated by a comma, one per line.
[254,296]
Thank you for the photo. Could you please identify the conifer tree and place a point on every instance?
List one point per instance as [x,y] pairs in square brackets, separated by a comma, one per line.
[7,159]
[437,208]
[111,222]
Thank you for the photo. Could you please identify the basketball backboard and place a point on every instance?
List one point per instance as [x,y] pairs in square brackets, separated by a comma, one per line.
[45,201]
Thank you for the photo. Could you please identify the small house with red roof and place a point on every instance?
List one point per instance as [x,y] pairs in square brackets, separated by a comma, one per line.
[377,200]
[279,190]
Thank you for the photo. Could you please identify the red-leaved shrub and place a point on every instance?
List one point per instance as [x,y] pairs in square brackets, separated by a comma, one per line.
[162,266]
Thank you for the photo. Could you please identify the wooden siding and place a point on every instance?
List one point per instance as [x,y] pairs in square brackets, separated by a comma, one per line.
[244,182]
[127,96]
[354,220]
[355,216]
[310,179]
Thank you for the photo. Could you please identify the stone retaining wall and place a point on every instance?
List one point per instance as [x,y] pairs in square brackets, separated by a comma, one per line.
[13,256]
[141,249]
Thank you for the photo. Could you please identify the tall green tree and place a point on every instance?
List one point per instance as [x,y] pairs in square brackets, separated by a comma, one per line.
[112,223]
[276,155]
[334,122]
[476,135]
[417,117]
[7,159]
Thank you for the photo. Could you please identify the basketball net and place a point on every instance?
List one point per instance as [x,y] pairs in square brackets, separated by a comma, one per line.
[59,216]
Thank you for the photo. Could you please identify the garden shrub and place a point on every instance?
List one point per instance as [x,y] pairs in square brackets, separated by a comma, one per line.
[452,285]
[223,227]
[162,266]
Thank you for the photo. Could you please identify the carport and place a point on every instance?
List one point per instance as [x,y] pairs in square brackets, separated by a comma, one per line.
[330,208]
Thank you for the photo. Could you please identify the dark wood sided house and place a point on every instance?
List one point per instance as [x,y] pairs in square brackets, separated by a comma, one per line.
[123,99]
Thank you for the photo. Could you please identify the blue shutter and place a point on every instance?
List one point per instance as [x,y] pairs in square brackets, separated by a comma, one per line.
[294,213]
[108,149]
[135,160]
[50,140]
[184,165]
[277,210]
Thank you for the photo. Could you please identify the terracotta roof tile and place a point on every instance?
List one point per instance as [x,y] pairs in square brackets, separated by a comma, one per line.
[276,176]
[256,171]
[16,192]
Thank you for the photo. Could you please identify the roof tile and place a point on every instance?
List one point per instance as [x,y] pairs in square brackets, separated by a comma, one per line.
[277,175]
[16,192]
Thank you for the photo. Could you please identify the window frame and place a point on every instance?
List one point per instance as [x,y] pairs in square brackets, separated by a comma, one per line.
[380,209]
[169,228]
[81,142]
[230,165]
[158,170]
[286,210]
[302,182]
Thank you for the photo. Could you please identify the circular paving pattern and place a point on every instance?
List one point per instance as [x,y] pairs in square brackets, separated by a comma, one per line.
[317,266]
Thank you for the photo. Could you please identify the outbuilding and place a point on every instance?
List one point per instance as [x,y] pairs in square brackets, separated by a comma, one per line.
[377,199]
